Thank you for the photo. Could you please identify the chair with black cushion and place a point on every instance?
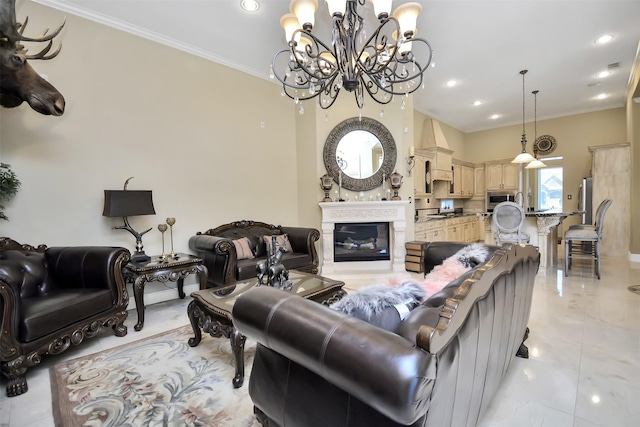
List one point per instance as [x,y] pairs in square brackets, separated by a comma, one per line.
[508,219]
[52,298]
[584,242]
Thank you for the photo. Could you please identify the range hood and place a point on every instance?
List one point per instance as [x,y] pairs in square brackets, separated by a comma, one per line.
[433,141]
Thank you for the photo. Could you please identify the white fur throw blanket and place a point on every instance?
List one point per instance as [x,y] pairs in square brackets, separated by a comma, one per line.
[373,300]
[455,266]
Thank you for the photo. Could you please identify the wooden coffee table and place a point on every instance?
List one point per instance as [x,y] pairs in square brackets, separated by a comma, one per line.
[211,309]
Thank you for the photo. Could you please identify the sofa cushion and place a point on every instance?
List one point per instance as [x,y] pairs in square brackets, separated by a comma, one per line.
[243,248]
[281,240]
[59,309]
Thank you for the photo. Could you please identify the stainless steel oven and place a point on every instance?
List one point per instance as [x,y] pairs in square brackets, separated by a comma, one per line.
[496,197]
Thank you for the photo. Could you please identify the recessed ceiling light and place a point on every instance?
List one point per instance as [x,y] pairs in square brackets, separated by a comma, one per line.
[250,5]
[601,96]
[451,83]
[477,103]
[495,116]
[603,74]
[604,39]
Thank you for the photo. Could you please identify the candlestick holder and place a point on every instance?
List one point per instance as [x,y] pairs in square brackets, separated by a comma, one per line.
[162,228]
[171,221]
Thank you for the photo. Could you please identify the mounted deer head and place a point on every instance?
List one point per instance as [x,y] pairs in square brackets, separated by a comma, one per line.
[19,82]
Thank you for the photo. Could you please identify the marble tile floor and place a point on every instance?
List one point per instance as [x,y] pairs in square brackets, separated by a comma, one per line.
[583,370]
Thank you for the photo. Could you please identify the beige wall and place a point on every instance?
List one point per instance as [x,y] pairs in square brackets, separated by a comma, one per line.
[186,128]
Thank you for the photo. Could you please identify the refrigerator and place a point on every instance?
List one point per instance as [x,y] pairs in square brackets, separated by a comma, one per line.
[585,200]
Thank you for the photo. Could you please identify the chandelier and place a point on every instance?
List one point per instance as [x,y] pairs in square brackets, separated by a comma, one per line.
[523,157]
[383,64]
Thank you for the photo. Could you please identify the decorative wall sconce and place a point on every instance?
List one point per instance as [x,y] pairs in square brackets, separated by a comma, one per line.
[411,160]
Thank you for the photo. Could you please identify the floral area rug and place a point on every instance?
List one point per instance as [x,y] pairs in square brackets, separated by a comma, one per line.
[157,381]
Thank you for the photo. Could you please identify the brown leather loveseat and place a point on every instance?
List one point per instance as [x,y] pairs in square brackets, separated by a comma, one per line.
[315,366]
[220,254]
[51,298]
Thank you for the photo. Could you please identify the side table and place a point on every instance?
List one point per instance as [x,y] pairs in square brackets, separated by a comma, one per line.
[169,269]
[211,309]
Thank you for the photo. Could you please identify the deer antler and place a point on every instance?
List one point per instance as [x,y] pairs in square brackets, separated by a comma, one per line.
[43,53]
[12,30]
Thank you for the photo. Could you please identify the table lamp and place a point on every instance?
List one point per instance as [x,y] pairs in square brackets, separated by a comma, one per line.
[127,203]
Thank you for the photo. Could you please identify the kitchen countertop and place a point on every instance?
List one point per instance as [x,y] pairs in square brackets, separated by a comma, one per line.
[443,216]
[531,214]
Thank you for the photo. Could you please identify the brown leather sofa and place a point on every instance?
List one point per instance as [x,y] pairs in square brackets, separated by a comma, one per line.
[318,367]
[51,298]
[216,248]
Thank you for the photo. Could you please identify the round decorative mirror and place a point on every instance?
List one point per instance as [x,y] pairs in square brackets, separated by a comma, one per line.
[360,152]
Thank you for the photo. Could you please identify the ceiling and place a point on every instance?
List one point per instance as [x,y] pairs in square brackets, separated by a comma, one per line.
[482,45]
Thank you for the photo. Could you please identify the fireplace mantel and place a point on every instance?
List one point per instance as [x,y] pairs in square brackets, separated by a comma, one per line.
[392,211]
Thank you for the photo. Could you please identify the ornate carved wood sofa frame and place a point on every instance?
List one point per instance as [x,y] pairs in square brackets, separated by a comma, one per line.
[220,256]
[51,298]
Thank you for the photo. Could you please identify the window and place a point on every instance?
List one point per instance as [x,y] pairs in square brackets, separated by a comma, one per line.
[550,188]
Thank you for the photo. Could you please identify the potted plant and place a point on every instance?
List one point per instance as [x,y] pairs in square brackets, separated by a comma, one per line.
[9,185]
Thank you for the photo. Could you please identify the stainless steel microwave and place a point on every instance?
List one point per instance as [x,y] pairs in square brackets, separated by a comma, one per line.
[496,197]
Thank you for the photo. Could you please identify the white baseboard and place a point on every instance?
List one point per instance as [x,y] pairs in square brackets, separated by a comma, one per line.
[634,257]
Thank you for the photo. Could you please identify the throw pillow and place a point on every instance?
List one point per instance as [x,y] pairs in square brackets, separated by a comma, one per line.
[384,305]
[282,240]
[242,248]
[453,267]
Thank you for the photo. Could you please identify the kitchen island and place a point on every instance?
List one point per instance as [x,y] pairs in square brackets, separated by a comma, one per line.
[542,227]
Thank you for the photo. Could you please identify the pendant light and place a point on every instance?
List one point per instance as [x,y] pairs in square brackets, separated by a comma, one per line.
[523,157]
[536,164]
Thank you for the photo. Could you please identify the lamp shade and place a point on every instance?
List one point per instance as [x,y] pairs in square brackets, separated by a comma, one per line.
[382,8]
[290,24]
[523,157]
[407,16]
[536,164]
[128,203]
[304,10]
[336,6]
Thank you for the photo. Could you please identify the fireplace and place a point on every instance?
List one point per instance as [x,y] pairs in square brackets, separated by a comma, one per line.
[335,215]
[367,241]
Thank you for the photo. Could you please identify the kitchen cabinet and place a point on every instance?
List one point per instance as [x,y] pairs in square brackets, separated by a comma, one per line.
[430,231]
[459,229]
[422,183]
[478,182]
[467,181]
[461,187]
[502,176]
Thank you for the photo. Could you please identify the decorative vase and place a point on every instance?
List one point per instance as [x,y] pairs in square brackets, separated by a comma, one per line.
[326,182]
[396,182]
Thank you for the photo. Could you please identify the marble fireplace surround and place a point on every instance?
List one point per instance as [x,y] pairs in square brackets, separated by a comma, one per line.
[391,211]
